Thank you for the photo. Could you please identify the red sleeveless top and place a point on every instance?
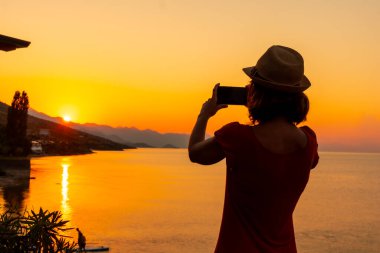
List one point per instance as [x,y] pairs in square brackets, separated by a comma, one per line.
[262,190]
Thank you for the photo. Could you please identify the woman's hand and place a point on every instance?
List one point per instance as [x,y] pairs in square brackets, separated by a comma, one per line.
[200,150]
[210,107]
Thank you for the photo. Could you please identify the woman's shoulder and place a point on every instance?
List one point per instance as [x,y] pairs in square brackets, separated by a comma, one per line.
[313,144]
[230,136]
[308,131]
[231,127]
[230,131]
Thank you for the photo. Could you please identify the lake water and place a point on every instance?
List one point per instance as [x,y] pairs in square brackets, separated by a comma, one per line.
[155,200]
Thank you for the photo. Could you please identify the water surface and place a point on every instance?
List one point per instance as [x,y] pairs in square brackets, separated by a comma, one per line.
[155,200]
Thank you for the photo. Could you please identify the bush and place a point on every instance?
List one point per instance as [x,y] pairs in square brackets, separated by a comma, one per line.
[34,232]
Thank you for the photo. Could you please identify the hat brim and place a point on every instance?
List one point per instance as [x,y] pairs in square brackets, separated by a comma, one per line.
[302,85]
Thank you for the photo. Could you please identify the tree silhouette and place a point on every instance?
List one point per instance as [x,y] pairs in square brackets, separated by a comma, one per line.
[17,125]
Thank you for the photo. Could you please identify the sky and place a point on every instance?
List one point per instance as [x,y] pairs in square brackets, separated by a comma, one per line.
[152,63]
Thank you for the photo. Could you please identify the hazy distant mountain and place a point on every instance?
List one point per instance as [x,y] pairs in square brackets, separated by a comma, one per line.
[356,146]
[134,136]
[363,137]
[125,135]
[44,116]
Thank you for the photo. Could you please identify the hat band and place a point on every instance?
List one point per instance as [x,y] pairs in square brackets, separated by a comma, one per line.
[255,73]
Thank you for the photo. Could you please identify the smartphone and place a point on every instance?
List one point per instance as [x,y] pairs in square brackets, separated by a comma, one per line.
[231,95]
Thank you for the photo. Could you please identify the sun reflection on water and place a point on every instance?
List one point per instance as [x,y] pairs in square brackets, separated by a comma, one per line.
[65,206]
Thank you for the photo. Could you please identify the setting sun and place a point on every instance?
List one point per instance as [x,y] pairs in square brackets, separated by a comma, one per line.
[67,118]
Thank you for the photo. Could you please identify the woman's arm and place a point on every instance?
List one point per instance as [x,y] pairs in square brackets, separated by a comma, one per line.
[200,150]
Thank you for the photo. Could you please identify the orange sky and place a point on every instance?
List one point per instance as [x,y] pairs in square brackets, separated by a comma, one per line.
[151,64]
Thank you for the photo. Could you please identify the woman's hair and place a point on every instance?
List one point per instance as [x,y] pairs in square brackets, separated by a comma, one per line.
[265,105]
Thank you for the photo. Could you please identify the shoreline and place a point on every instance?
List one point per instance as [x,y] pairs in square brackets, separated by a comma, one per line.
[22,158]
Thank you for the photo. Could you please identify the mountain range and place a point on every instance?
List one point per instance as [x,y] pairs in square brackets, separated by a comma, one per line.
[125,135]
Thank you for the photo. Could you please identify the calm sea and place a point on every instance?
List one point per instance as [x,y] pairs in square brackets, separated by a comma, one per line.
[155,200]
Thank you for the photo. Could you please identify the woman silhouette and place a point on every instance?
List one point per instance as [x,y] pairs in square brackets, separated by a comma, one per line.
[268,162]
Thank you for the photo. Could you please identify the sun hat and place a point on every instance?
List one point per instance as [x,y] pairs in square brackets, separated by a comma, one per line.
[280,69]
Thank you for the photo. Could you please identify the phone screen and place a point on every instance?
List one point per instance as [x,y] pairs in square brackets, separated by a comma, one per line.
[231,95]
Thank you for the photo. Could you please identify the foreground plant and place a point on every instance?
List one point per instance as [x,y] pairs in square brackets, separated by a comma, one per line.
[31,231]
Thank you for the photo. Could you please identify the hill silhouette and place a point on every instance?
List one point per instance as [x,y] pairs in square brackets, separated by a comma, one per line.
[58,139]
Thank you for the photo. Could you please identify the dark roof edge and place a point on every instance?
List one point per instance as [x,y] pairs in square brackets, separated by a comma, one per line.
[8,43]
